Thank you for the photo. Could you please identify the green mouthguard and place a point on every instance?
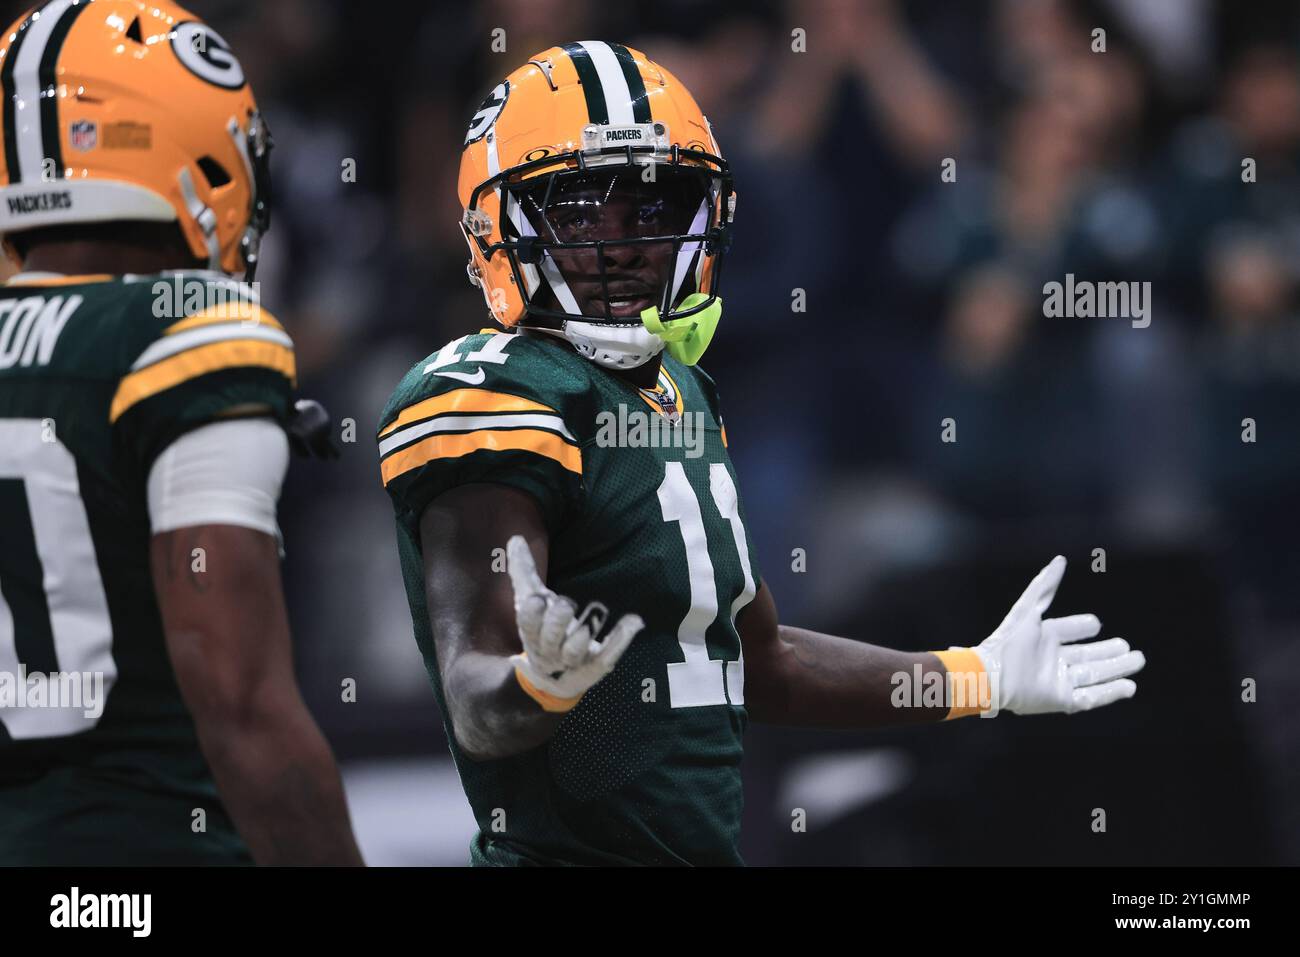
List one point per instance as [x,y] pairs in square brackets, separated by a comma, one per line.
[686,339]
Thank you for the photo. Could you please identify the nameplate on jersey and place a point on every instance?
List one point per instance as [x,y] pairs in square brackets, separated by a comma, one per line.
[30,328]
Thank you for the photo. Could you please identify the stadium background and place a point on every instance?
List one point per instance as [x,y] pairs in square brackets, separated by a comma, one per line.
[923,301]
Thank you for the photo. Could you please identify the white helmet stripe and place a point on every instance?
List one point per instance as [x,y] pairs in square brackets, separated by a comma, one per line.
[493,160]
[503,201]
[27,90]
[618,97]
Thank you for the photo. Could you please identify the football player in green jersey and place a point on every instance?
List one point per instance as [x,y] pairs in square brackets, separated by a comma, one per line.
[578,460]
[149,712]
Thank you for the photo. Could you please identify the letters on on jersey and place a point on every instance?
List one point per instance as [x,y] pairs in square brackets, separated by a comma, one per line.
[30,328]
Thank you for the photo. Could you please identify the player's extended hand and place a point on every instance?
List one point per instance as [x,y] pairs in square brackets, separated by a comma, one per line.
[1034,667]
[561,657]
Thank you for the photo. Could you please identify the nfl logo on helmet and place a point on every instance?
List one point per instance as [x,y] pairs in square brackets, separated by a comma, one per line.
[83,134]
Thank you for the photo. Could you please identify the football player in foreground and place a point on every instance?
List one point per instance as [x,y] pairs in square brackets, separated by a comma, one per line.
[582,451]
[148,708]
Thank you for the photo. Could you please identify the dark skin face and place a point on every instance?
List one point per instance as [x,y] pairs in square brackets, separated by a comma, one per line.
[636,273]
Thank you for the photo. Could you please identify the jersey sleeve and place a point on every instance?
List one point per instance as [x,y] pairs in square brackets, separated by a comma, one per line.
[507,429]
[199,369]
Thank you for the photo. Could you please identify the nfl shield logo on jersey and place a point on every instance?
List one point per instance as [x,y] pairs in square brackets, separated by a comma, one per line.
[83,134]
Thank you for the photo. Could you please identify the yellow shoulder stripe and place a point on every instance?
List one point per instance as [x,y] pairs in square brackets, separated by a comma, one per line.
[450,446]
[21,280]
[248,313]
[464,400]
[227,354]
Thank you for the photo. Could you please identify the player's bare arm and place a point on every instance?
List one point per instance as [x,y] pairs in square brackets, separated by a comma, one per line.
[471,609]
[799,677]
[478,615]
[1029,665]
[228,639]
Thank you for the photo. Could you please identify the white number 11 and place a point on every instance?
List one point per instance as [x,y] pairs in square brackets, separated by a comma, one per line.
[700,680]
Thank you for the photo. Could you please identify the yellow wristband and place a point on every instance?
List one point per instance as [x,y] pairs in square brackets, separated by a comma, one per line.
[967,683]
[548,701]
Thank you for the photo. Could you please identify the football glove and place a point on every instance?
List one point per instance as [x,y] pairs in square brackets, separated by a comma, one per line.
[309,429]
[561,657]
[1034,667]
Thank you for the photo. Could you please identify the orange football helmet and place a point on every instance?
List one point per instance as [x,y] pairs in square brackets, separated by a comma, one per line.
[126,110]
[544,157]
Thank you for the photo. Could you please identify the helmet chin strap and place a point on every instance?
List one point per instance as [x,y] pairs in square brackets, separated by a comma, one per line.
[614,347]
[627,347]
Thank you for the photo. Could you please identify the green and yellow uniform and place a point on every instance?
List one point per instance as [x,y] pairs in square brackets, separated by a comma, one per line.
[98,375]
[644,516]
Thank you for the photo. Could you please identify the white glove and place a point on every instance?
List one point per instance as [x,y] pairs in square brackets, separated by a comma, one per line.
[561,657]
[1033,668]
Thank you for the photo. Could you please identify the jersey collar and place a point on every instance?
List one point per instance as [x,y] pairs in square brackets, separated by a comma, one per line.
[54,279]
[665,398]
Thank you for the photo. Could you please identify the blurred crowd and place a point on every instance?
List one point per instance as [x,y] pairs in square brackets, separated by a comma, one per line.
[922,294]
[1164,149]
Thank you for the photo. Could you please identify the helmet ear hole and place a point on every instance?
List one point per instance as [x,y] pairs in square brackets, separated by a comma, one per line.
[133,32]
[213,172]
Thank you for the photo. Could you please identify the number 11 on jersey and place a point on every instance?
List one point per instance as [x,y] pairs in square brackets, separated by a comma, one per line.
[700,680]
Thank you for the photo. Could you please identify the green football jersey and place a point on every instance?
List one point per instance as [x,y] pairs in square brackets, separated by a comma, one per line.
[99,759]
[640,502]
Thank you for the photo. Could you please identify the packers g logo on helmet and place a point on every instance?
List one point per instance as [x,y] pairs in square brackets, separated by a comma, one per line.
[126,110]
[207,55]
[553,160]
[487,113]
